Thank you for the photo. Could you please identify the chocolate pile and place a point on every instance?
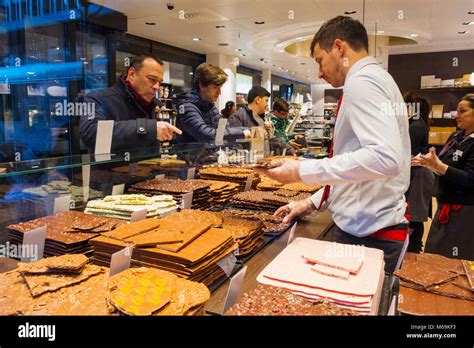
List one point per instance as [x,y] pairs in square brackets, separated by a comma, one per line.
[227,173]
[176,188]
[221,191]
[67,233]
[268,184]
[266,200]
[272,301]
[272,225]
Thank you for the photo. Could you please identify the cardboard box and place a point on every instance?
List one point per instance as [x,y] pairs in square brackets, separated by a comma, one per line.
[425,79]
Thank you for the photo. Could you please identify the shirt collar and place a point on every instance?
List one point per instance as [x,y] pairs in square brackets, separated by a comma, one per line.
[359,65]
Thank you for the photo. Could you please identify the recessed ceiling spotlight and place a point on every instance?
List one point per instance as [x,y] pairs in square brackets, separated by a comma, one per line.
[468,23]
[303,63]
[150,23]
[191,73]
[196,39]
[280,68]
[463,32]
[414,35]
[470,12]
[380,31]
[220,26]
[273,65]
[287,70]
[223,44]
[238,50]
[350,12]
[243,55]
[259,22]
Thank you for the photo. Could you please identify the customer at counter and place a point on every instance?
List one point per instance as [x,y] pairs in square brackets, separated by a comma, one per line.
[280,112]
[229,109]
[251,115]
[451,232]
[198,117]
[131,104]
[369,168]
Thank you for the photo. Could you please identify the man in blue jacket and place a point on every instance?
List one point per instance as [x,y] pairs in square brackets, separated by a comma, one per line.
[131,104]
[198,117]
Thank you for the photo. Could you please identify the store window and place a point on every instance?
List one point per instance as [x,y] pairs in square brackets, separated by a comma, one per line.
[180,77]
[91,50]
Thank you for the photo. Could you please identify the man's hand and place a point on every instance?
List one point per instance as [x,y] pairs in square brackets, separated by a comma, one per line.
[283,170]
[164,131]
[295,209]
[430,160]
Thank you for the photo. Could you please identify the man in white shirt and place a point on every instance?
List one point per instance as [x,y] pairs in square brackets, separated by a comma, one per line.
[369,171]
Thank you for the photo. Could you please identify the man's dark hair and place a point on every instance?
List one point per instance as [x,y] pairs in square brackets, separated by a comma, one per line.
[281,105]
[207,74]
[257,91]
[344,28]
[137,61]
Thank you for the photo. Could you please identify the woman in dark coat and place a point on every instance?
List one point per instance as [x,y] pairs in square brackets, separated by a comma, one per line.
[452,230]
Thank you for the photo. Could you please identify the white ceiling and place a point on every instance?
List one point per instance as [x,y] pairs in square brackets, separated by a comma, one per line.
[436,22]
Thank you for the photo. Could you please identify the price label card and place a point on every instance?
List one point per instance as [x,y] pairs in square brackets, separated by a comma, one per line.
[103,140]
[118,189]
[191,173]
[292,233]
[187,200]
[248,184]
[138,215]
[220,131]
[284,152]
[32,248]
[234,289]
[227,264]
[160,176]
[61,204]
[86,178]
[120,261]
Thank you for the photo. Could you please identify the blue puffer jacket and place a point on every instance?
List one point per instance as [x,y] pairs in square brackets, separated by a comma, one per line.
[198,119]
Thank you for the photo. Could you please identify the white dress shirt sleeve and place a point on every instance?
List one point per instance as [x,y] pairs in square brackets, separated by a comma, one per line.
[373,122]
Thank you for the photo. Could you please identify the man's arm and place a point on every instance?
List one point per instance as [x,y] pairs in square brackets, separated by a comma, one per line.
[128,133]
[377,131]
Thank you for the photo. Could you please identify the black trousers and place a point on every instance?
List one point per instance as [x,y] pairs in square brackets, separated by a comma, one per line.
[391,248]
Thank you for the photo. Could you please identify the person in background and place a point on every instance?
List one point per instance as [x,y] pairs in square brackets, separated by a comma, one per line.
[451,232]
[422,180]
[251,115]
[229,109]
[280,122]
[197,116]
[131,104]
[369,165]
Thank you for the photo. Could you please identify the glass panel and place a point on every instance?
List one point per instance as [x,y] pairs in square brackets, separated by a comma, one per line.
[181,77]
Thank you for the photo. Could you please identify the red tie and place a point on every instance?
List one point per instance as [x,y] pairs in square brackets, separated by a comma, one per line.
[327,188]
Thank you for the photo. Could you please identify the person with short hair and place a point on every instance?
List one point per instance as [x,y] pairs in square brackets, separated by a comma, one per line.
[197,115]
[451,233]
[369,165]
[251,115]
[131,104]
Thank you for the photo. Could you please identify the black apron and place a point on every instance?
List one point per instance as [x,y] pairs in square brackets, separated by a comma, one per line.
[420,193]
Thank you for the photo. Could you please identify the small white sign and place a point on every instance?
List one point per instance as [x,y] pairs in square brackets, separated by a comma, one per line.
[61,204]
[248,184]
[86,178]
[160,176]
[187,200]
[284,152]
[227,264]
[234,289]
[220,131]
[118,189]
[120,261]
[393,306]
[103,140]
[191,173]
[33,244]
[138,215]
[292,233]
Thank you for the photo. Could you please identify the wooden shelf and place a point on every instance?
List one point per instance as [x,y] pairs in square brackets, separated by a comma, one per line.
[446,89]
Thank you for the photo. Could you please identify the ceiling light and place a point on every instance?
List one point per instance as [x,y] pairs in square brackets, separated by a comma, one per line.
[303,63]
[350,12]
[280,68]
[243,55]
[223,44]
[196,39]
[150,23]
[468,23]
[273,65]
[191,73]
[380,31]
[220,26]
[259,22]
[470,12]
[287,70]
[238,50]
[300,38]
[414,35]
[463,32]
